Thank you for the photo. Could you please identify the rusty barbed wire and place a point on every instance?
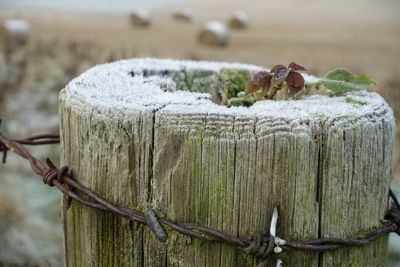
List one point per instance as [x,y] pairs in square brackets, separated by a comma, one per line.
[260,246]
[34,140]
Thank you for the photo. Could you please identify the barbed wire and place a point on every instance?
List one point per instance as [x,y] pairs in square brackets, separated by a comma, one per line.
[260,246]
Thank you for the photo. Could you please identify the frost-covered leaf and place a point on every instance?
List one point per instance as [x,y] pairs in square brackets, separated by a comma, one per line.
[277,68]
[280,75]
[341,81]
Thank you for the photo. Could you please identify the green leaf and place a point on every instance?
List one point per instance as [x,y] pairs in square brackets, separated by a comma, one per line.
[364,79]
[339,74]
[341,81]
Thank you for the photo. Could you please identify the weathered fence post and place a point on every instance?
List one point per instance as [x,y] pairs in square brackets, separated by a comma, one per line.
[130,133]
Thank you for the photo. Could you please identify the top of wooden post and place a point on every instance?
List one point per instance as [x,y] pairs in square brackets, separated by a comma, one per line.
[154,84]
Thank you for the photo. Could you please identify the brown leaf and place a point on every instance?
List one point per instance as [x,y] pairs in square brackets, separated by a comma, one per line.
[261,79]
[295,82]
[297,67]
[277,68]
[280,75]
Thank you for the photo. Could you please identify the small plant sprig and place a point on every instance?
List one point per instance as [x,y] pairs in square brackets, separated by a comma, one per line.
[286,82]
[276,79]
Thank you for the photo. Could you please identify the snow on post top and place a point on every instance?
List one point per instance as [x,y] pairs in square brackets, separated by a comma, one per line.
[163,85]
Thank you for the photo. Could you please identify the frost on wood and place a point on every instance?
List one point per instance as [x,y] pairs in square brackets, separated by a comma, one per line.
[148,132]
[152,84]
[148,83]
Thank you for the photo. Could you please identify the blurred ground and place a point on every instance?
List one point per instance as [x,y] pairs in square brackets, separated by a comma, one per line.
[362,35]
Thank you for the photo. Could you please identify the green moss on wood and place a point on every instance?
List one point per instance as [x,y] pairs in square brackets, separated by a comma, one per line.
[236,80]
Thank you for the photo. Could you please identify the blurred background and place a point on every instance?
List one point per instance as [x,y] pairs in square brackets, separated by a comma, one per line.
[44,44]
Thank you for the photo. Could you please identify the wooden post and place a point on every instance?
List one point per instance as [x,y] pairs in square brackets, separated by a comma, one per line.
[131,134]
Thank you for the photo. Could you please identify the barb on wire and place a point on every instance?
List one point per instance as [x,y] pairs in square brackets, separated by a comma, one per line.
[262,246]
[154,225]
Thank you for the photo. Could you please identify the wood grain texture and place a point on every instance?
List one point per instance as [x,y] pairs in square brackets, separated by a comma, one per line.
[355,177]
[327,173]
